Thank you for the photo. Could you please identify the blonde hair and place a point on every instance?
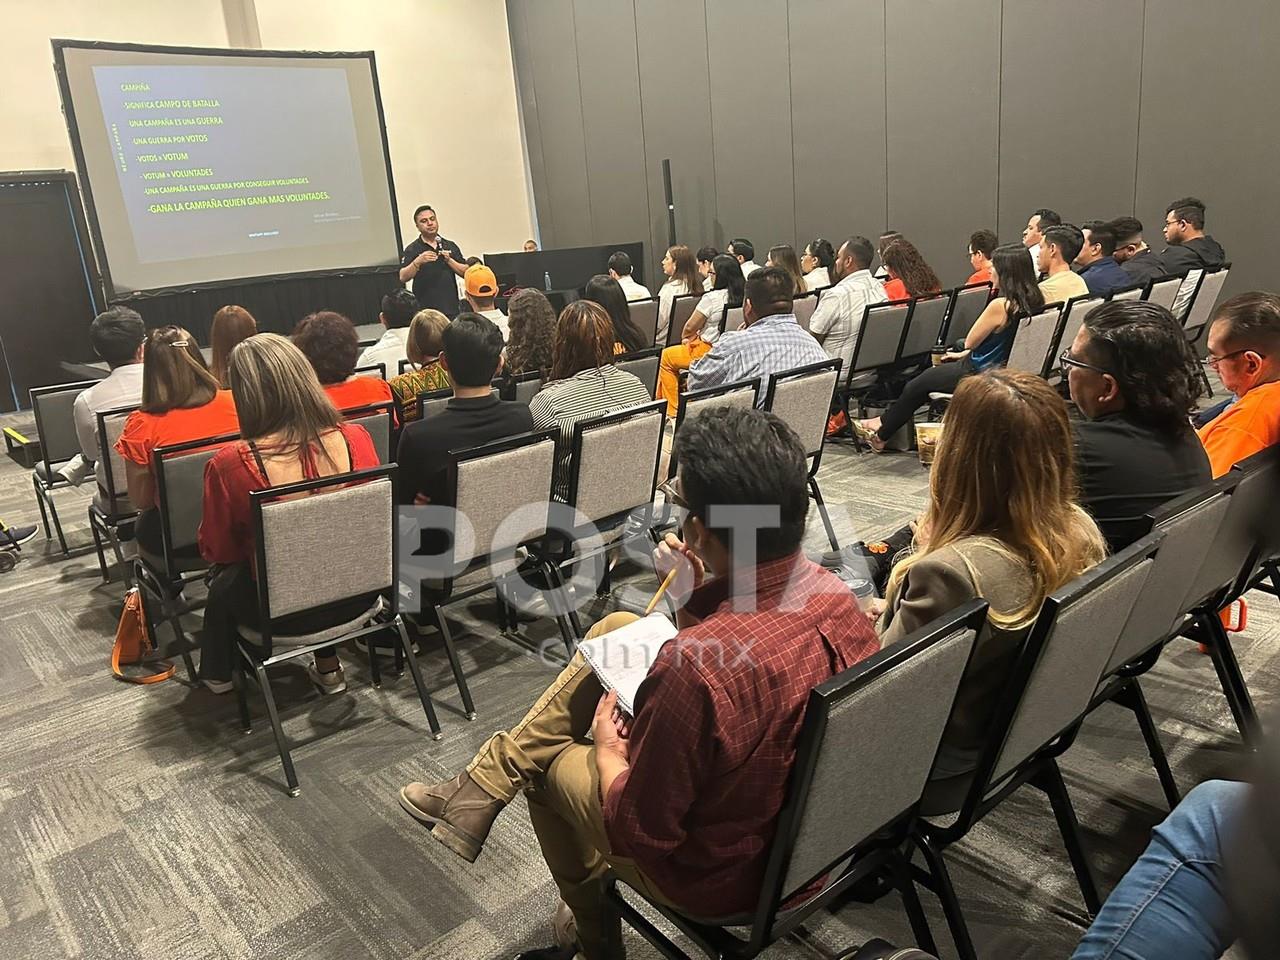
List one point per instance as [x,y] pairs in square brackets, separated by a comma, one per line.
[1004,471]
[278,394]
[174,374]
[426,336]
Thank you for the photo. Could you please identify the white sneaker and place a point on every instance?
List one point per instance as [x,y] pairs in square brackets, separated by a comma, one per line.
[335,681]
[218,686]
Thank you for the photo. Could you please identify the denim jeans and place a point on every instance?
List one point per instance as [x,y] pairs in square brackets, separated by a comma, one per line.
[1170,905]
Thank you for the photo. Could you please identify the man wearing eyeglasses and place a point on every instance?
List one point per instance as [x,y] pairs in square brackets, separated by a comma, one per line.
[1136,259]
[1244,350]
[1190,248]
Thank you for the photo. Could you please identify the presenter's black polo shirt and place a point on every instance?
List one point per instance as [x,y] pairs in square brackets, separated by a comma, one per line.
[435,284]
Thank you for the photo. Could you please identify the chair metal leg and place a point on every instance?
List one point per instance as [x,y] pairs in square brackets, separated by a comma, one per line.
[240,681]
[1131,696]
[947,897]
[570,626]
[191,667]
[428,707]
[375,672]
[1231,679]
[57,524]
[98,547]
[459,678]
[822,512]
[44,517]
[1051,782]
[911,903]
[281,744]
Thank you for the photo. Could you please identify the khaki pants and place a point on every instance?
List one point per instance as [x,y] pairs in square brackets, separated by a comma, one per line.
[546,755]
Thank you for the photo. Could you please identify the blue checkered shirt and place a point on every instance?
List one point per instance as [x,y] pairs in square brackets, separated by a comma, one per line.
[770,345]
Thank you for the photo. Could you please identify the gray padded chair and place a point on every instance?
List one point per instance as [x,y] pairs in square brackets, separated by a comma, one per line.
[1035,718]
[643,364]
[924,330]
[644,314]
[379,420]
[1034,339]
[740,393]
[111,507]
[1163,291]
[966,306]
[875,347]
[801,398]
[1201,308]
[433,401]
[378,370]
[527,387]
[1074,313]
[804,305]
[1129,293]
[731,319]
[852,798]
[56,427]
[1181,305]
[681,310]
[297,572]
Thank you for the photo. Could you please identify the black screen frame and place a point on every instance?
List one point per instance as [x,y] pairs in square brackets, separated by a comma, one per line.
[73,131]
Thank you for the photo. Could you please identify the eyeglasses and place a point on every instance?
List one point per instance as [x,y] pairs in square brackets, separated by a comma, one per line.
[1172,223]
[1212,361]
[668,489]
[1067,360]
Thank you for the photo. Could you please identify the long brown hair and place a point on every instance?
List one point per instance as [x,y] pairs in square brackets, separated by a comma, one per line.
[1004,471]
[905,262]
[784,256]
[231,324]
[584,339]
[174,373]
[531,324]
[686,268]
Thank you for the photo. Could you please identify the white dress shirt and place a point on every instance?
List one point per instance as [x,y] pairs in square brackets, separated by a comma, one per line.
[633,290]
[389,351]
[712,307]
[747,267]
[500,319]
[838,317]
[706,283]
[817,278]
[670,290]
[122,387]
[1035,257]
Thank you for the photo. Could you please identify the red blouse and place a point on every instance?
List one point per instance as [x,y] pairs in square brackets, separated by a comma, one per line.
[226,527]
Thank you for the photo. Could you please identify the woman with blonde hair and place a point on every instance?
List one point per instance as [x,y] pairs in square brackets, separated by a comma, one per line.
[231,324]
[681,268]
[1002,523]
[291,431]
[423,347]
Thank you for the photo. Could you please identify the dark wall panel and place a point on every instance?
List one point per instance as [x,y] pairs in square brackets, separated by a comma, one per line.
[751,122]
[942,69]
[1068,140]
[1209,113]
[837,117]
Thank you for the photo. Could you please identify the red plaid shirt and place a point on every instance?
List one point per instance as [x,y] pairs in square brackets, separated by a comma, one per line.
[714,736]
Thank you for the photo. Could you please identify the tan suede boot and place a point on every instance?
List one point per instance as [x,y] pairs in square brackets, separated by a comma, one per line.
[460,813]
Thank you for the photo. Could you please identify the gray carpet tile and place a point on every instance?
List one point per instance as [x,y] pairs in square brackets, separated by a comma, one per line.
[140,821]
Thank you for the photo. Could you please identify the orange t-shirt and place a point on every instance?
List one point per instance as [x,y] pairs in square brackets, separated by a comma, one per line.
[1249,425]
[895,289]
[143,432]
[979,276]
[358,392]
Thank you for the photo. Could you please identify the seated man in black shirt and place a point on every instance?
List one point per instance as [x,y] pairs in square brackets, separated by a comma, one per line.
[1134,377]
[472,357]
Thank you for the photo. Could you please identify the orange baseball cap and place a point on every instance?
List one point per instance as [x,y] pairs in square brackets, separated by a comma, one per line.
[480,281]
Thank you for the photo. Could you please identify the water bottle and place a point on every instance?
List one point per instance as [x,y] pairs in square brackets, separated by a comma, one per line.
[546,281]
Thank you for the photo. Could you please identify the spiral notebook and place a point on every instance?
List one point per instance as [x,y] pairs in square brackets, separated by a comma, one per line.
[621,658]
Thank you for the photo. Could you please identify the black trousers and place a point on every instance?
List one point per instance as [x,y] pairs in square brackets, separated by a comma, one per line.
[944,378]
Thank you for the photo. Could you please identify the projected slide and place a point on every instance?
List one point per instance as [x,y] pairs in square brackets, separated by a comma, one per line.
[209,167]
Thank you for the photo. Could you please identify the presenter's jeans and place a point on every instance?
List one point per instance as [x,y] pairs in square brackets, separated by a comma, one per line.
[547,756]
[1171,903]
[675,360]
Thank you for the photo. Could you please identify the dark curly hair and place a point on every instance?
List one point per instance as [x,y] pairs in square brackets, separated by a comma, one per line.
[1144,348]
[902,257]
[330,342]
[531,322]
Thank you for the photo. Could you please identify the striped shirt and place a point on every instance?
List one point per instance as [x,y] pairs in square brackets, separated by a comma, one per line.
[838,316]
[770,345]
[591,393]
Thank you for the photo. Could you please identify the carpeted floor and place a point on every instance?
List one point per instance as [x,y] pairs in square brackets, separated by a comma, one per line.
[140,822]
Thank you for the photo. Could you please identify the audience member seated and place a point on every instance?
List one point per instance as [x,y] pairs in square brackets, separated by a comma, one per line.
[1033,232]
[482,294]
[1059,247]
[770,340]
[1096,263]
[1244,350]
[290,432]
[607,292]
[1134,377]
[882,244]
[181,401]
[231,324]
[584,382]
[744,253]
[472,357]
[330,342]
[909,275]
[982,244]
[1136,259]
[838,317]
[531,246]
[620,269]
[117,335]
[986,345]
[664,799]
[784,255]
[398,311]
[532,336]
[425,374]
[1001,524]
[702,328]
[816,262]
[683,279]
[705,255]
[1190,248]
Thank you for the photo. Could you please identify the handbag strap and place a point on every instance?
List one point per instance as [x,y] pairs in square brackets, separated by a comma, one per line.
[115,650]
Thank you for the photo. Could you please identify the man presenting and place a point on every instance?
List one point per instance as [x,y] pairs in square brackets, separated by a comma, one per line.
[432,263]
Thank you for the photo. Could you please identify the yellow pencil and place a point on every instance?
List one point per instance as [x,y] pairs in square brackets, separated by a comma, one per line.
[661,590]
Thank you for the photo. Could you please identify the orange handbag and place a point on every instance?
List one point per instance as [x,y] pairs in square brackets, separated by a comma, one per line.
[132,643]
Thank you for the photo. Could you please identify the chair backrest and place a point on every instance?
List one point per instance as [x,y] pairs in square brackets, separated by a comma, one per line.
[1073,316]
[1259,477]
[296,527]
[818,826]
[1163,291]
[801,397]
[681,311]
[925,326]
[730,319]
[110,426]
[1129,293]
[879,336]
[433,401]
[966,306]
[403,364]
[644,314]
[179,473]
[804,305]
[377,418]
[1186,294]
[643,364]
[494,480]
[1206,299]
[527,386]
[1067,651]
[1034,338]
[55,423]
[740,393]
[378,370]
[614,461]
